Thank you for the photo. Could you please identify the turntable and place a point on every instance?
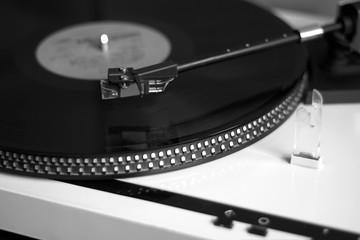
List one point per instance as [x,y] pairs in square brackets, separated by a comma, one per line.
[162,120]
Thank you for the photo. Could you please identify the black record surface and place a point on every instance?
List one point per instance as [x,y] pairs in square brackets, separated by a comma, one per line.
[43,112]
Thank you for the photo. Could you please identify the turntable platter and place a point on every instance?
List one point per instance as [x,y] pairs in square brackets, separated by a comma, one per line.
[55,124]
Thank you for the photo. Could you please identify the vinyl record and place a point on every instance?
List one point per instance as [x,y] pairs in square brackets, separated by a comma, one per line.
[55,124]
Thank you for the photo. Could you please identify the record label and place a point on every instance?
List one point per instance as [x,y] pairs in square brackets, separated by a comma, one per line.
[86,51]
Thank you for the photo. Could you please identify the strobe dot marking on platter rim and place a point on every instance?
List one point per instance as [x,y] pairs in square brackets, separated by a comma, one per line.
[60,172]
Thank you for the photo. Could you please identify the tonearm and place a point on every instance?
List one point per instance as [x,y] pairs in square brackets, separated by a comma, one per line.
[127,82]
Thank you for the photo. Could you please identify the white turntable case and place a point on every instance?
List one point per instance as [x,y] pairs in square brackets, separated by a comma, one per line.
[258,177]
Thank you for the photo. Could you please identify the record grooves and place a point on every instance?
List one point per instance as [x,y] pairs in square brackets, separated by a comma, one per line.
[56,125]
